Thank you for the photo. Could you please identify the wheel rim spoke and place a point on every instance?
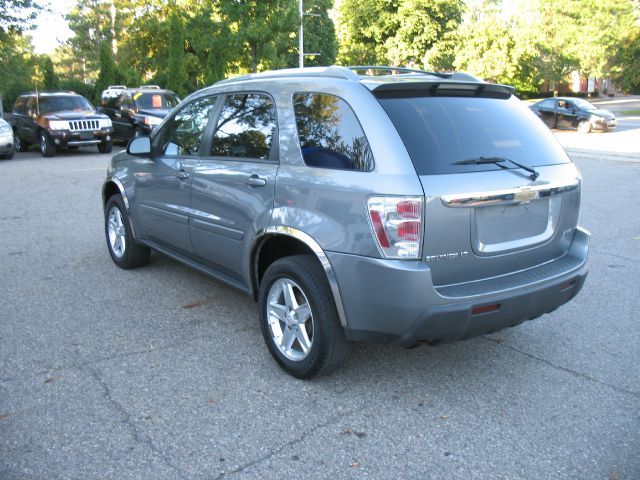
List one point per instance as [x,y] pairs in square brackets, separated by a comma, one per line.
[116,232]
[290,319]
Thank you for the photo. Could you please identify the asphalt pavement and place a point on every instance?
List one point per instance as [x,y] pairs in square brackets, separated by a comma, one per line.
[162,373]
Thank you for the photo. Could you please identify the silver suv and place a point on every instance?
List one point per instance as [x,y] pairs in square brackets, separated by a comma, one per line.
[357,204]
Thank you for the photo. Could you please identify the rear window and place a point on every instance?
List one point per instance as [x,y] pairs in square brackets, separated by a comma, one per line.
[438,131]
[155,101]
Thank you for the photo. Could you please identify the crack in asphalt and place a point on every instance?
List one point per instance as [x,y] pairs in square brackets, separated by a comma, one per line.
[131,426]
[79,366]
[574,373]
[285,445]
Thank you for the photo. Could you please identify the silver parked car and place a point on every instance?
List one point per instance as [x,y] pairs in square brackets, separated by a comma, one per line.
[357,204]
[7,144]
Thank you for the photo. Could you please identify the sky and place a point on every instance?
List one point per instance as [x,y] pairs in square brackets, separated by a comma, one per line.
[51,28]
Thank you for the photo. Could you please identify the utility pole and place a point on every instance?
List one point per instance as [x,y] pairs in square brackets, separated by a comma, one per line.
[301,53]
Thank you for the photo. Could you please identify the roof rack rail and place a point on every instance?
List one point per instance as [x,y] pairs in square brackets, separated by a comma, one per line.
[346,73]
[382,68]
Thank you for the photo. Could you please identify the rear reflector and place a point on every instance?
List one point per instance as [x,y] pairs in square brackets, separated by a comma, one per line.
[379,229]
[485,309]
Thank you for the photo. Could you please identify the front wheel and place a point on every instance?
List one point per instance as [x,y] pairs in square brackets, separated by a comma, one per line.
[122,247]
[47,148]
[105,147]
[298,318]
[584,126]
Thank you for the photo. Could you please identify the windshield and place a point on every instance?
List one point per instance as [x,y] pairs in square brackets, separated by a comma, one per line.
[583,104]
[63,103]
[156,101]
[440,131]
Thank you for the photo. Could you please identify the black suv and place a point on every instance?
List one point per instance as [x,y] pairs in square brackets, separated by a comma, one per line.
[57,120]
[136,111]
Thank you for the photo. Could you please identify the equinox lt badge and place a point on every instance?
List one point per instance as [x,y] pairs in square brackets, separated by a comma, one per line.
[446,256]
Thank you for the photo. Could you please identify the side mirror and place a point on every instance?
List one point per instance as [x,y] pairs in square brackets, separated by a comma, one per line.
[139,146]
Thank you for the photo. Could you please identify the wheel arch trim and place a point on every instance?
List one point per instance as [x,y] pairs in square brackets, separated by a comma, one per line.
[318,252]
[118,183]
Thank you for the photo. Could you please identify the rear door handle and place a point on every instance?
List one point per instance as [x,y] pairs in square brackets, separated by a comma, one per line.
[182,174]
[255,181]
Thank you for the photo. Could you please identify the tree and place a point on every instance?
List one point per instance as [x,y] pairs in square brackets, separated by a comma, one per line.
[107,75]
[18,15]
[627,63]
[50,80]
[176,74]
[262,31]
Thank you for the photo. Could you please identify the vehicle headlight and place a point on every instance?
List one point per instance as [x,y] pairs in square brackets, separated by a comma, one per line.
[152,121]
[105,123]
[5,128]
[58,125]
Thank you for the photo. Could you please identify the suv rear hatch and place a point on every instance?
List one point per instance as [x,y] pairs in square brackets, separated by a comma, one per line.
[501,195]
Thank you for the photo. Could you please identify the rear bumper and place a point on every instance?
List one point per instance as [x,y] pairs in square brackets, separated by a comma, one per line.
[394,301]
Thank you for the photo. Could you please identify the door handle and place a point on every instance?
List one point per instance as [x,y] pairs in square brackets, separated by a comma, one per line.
[182,174]
[255,181]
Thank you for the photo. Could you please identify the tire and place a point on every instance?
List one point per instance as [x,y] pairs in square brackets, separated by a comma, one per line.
[303,333]
[584,126]
[105,147]
[7,156]
[21,145]
[124,251]
[47,149]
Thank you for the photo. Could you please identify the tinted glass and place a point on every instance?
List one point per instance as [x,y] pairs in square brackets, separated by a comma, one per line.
[246,127]
[439,131]
[183,133]
[155,101]
[20,105]
[547,103]
[330,134]
[583,104]
[61,103]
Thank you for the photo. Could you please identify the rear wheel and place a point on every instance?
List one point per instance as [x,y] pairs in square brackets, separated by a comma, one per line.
[21,145]
[7,156]
[584,126]
[298,318]
[47,148]
[122,247]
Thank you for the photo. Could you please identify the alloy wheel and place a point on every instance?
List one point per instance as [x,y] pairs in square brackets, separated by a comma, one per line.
[290,319]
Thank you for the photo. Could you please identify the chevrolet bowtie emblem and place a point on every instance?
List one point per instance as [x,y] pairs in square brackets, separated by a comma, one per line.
[525,195]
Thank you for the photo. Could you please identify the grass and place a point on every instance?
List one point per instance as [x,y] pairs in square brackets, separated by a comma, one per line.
[630,112]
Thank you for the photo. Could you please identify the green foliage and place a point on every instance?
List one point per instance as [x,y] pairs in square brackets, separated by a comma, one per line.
[627,63]
[176,74]
[50,80]
[81,88]
[107,75]
[319,36]
[17,15]
[16,66]
[394,32]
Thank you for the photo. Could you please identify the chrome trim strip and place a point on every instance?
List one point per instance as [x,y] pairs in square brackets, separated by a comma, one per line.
[512,196]
[315,248]
[80,143]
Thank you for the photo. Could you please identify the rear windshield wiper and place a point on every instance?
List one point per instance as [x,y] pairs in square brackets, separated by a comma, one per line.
[498,161]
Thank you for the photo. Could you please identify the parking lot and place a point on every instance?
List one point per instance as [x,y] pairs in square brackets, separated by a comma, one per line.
[162,373]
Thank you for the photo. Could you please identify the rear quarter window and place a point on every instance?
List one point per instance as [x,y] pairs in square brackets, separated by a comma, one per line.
[329,133]
[439,131]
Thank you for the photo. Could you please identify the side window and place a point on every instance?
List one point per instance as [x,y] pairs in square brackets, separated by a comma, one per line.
[20,106]
[330,134]
[246,127]
[183,134]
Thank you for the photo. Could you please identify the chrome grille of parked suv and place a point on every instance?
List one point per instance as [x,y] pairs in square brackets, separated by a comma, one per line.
[78,125]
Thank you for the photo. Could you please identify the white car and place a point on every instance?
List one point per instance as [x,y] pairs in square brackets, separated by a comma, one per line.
[7,145]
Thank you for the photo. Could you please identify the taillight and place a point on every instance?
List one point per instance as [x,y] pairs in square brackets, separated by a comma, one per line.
[397,225]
